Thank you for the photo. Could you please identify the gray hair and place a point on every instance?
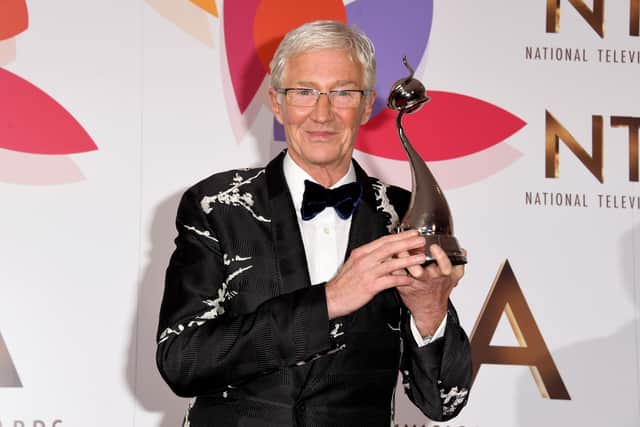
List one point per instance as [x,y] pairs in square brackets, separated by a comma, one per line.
[325,35]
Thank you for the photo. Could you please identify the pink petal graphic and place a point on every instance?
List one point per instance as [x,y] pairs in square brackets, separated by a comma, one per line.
[33,122]
[244,63]
[451,125]
[29,169]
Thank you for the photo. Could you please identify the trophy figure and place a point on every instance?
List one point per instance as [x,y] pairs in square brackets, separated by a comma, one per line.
[428,209]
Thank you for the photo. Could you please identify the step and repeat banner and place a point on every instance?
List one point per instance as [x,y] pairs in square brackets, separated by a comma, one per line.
[110,110]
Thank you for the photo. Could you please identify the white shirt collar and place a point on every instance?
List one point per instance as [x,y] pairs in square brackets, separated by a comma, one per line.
[295,176]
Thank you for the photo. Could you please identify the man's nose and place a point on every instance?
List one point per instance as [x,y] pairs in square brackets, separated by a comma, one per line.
[322,110]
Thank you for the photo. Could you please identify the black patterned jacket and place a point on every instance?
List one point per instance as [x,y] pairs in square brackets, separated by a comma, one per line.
[243,330]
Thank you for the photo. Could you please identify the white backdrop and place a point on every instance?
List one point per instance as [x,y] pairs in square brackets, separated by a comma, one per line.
[86,234]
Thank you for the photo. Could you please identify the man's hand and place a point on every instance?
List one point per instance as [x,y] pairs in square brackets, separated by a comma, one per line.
[372,268]
[428,292]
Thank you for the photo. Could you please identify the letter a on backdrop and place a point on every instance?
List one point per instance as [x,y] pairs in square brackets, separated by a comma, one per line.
[8,374]
[506,296]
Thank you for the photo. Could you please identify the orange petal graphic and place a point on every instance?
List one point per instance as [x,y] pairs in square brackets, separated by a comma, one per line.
[14,18]
[275,18]
[207,5]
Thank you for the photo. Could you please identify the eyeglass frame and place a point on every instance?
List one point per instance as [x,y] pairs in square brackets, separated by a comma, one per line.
[284,90]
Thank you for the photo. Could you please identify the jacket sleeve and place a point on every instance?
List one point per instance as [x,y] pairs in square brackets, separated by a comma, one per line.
[437,377]
[202,348]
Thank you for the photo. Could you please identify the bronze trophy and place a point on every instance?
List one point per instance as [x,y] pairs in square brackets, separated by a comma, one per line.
[428,208]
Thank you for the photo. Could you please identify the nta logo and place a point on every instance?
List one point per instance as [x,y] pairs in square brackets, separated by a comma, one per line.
[594,17]
[8,374]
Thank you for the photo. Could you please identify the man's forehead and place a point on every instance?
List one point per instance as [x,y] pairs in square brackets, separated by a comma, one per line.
[325,66]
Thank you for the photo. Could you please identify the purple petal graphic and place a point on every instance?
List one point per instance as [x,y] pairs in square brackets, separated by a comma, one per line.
[397,28]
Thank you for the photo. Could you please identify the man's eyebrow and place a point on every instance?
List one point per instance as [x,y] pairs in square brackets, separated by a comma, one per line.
[339,83]
[345,83]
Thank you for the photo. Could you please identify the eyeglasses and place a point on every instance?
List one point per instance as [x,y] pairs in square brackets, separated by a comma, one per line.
[341,98]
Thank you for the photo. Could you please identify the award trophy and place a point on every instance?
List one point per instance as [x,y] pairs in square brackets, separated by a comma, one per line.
[428,209]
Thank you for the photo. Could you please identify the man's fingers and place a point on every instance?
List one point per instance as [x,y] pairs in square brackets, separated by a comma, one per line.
[442,266]
[404,247]
[384,241]
[392,266]
[393,281]
[399,272]
[443,263]
[390,238]
[416,271]
[388,249]
[403,254]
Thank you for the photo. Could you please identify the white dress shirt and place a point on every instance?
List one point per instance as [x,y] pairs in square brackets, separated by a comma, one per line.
[325,237]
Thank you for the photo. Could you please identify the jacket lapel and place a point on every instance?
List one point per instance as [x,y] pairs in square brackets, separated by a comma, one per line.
[288,246]
[367,224]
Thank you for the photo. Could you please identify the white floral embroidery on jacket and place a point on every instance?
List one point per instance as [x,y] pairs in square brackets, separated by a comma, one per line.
[384,205]
[233,197]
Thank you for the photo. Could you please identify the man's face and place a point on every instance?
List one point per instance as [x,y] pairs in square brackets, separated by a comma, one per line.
[322,136]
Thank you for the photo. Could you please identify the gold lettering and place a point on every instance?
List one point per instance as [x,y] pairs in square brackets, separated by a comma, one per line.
[556,132]
[633,123]
[634,18]
[595,17]
[553,16]
[506,296]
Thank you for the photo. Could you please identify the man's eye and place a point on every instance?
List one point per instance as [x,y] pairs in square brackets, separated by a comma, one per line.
[305,92]
[342,93]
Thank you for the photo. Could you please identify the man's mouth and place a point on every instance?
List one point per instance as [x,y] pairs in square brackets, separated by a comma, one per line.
[320,134]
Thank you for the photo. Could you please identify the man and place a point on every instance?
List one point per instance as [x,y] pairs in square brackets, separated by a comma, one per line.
[260,319]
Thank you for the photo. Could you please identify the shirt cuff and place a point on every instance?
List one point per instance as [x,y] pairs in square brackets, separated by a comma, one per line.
[422,341]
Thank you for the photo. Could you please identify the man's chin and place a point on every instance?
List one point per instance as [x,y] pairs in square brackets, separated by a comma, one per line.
[326,157]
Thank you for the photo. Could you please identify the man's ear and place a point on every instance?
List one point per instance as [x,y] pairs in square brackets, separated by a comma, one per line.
[368,108]
[276,107]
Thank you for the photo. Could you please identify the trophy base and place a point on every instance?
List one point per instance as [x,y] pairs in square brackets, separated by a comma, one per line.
[447,242]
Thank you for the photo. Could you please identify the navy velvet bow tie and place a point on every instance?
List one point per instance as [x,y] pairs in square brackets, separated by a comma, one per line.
[343,199]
